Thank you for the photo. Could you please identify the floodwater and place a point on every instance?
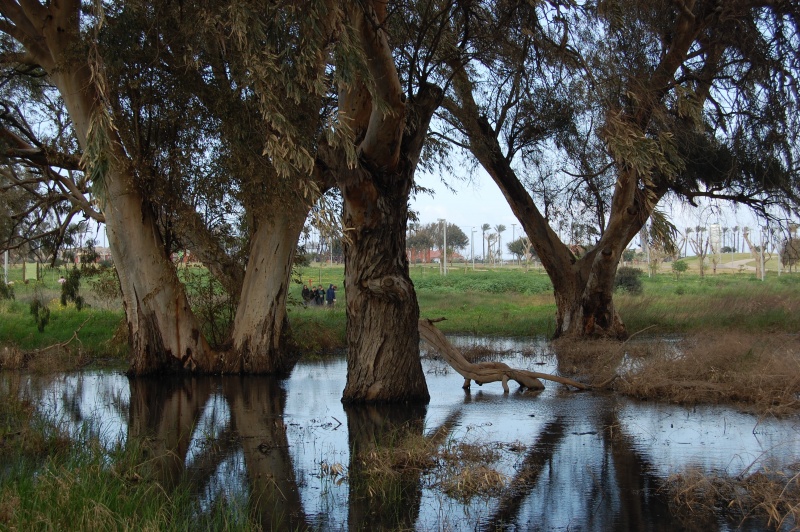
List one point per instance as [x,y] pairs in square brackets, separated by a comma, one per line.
[569,460]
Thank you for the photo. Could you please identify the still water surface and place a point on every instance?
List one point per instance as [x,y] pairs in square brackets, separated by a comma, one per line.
[573,461]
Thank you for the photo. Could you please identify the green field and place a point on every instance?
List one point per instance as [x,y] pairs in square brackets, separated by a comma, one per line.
[507,301]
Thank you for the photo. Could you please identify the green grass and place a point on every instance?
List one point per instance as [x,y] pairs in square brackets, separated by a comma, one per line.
[723,302]
[502,302]
[510,302]
[18,328]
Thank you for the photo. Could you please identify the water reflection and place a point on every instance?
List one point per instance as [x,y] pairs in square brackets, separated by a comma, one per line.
[300,460]
[390,501]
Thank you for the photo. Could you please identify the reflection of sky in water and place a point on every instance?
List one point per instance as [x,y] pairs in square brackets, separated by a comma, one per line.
[710,437]
[317,432]
[584,476]
[84,400]
[213,421]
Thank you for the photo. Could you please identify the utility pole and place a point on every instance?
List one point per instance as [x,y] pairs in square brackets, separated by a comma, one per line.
[472,247]
[444,246]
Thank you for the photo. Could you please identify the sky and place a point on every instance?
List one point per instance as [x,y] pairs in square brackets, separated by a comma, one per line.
[480,201]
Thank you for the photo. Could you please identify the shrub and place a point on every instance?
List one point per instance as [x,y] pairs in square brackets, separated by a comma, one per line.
[40,312]
[628,279]
[679,267]
[6,291]
[70,289]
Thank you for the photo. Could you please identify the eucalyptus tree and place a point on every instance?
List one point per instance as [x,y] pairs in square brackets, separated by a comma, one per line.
[44,189]
[456,238]
[257,74]
[419,239]
[60,41]
[631,102]
[170,165]
[385,113]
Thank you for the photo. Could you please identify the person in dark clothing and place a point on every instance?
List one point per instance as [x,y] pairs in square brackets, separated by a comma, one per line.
[330,295]
[319,298]
[306,294]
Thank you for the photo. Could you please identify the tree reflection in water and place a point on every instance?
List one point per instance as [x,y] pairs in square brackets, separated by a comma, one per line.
[587,460]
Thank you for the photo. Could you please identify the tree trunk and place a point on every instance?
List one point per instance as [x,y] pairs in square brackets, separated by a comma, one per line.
[584,297]
[163,331]
[261,327]
[388,130]
[257,405]
[383,361]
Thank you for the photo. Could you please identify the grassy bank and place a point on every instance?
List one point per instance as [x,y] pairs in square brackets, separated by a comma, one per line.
[511,302]
[502,302]
[50,480]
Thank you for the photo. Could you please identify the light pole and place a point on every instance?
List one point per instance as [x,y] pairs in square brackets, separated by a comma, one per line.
[762,252]
[444,246]
[472,247]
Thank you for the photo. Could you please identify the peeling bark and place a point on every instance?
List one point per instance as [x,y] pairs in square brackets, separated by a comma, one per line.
[383,342]
[382,311]
[261,325]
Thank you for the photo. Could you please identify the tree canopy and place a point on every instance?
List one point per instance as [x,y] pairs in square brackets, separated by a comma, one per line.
[217,126]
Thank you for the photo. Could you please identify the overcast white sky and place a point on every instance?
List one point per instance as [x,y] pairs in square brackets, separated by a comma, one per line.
[480,201]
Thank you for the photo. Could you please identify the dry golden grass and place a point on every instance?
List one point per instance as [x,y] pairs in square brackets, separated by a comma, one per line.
[12,358]
[467,483]
[48,360]
[461,470]
[758,371]
[9,502]
[774,495]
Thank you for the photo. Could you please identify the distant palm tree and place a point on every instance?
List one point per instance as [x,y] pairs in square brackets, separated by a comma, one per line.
[686,241]
[500,228]
[725,236]
[490,240]
[484,228]
[736,239]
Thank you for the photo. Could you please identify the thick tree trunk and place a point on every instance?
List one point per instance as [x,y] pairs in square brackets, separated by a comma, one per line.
[383,361]
[585,299]
[388,130]
[163,331]
[261,326]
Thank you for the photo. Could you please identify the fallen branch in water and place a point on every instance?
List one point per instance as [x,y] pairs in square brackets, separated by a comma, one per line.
[484,372]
